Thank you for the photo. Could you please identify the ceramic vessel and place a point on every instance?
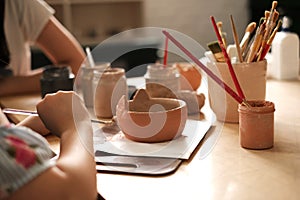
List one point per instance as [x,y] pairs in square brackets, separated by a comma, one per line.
[252,79]
[86,75]
[256,128]
[146,119]
[162,81]
[55,78]
[110,85]
[190,77]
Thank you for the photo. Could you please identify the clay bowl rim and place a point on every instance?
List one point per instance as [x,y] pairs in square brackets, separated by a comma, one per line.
[182,104]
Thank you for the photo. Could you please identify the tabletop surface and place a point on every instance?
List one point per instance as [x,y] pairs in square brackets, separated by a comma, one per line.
[226,170]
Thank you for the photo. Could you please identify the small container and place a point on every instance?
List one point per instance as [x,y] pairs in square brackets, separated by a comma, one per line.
[86,81]
[110,85]
[284,63]
[252,79]
[190,76]
[161,80]
[56,78]
[256,125]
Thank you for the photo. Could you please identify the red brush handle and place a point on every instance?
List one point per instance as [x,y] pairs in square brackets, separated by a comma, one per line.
[227,59]
[265,51]
[166,52]
[204,68]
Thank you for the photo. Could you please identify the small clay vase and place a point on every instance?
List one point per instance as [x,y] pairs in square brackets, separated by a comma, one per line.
[256,125]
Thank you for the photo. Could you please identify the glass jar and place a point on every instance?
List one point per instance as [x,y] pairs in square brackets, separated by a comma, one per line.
[86,81]
[162,80]
[110,85]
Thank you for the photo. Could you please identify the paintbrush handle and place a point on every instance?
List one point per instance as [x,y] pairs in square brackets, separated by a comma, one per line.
[244,41]
[34,113]
[264,52]
[236,40]
[19,111]
[227,59]
[254,48]
[205,69]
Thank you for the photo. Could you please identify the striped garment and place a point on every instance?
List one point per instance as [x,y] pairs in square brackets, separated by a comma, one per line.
[24,155]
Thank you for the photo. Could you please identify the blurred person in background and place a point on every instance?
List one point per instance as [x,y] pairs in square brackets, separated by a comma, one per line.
[24,23]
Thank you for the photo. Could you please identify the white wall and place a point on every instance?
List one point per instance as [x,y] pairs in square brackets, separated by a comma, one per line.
[192,17]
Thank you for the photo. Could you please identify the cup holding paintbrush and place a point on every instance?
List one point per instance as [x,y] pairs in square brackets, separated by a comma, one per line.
[252,79]
[247,78]
[256,129]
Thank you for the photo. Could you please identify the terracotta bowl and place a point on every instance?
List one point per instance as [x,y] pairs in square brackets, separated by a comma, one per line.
[190,76]
[146,119]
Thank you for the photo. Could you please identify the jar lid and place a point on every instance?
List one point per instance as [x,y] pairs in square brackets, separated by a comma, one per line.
[158,70]
[257,106]
[56,72]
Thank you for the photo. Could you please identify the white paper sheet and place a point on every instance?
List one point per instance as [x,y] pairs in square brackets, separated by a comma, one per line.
[182,147]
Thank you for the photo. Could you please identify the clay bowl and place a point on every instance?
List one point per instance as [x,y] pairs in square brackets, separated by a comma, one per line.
[146,119]
[190,78]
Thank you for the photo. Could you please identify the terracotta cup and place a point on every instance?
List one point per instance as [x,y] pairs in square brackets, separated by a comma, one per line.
[256,128]
[252,79]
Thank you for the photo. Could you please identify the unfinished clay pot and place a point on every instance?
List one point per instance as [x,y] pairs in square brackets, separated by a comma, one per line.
[190,76]
[146,119]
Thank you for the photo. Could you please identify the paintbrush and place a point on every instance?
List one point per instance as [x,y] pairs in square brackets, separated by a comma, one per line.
[217,51]
[34,113]
[267,14]
[269,42]
[272,24]
[246,51]
[223,34]
[270,21]
[236,40]
[239,98]
[227,59]
[245,40]
[256,43]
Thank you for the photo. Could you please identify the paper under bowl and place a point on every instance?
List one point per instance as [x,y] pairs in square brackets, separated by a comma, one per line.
[148,122]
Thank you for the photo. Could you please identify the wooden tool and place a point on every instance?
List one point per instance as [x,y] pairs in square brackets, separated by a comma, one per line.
[34,113]
[245,40]
[223,35]
[256,43]
[236,40]
[267,47]
[271,19]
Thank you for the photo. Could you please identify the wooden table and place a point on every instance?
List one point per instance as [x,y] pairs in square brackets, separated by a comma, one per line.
[228,171]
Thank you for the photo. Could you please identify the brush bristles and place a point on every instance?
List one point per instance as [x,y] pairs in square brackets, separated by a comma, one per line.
[214,47]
